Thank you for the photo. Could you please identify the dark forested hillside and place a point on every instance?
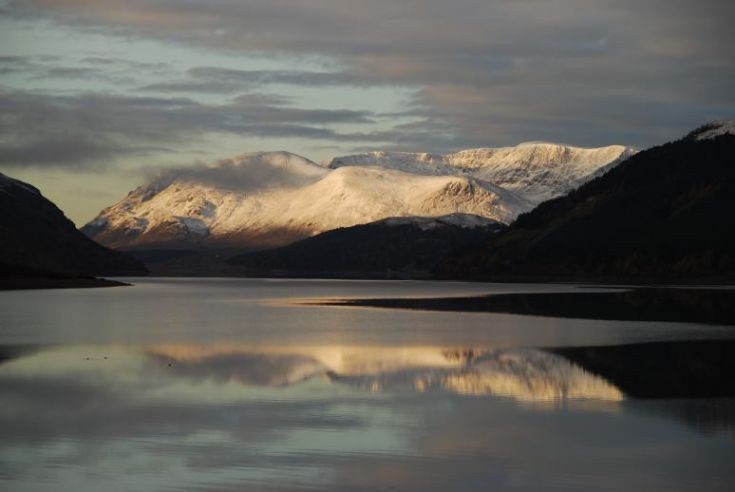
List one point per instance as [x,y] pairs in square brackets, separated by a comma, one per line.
[402,248]
[665,213]
[37,240]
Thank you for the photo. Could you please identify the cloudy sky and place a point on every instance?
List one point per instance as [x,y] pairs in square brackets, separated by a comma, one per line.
[95,94]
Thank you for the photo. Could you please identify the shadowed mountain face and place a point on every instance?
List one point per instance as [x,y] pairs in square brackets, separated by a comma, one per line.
[406,247]
[37,240]
[665,213]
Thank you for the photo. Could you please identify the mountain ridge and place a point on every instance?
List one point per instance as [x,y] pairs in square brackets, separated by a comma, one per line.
[181,208]
[537,171]
[658,215]
[269,199]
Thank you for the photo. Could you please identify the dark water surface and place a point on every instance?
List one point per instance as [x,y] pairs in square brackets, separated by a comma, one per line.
[231,384]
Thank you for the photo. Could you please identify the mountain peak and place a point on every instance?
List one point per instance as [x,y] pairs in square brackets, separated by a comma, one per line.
[270,199]
[264,199]
[535,171]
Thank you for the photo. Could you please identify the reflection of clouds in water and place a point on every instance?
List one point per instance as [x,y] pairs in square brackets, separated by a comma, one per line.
[239,418]
[523,374]
[64,413]
[246,368]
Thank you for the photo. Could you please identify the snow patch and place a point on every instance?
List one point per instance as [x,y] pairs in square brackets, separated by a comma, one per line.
[715,129]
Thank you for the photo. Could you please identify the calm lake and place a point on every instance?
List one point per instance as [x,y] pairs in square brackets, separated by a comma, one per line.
[235,384]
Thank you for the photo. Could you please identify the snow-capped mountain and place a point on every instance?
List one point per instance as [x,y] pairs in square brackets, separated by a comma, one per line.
[658,215]
[269,199]
[535,171]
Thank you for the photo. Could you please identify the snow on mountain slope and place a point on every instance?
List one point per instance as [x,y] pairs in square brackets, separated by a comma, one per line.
[535,171]
[714,130]
[270,199]
[538,171]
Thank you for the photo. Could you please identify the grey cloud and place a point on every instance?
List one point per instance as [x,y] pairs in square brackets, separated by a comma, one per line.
[88,130]
[290,77]
[63,149]
[121,62]
[201,86]
[13,64]
[217,80]
[495,72]
[294,77]
[53,67]
[82,73]
[434,28]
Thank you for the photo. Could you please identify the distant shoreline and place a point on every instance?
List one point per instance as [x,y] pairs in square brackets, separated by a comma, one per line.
[426,276]
[7,284]
[701,305]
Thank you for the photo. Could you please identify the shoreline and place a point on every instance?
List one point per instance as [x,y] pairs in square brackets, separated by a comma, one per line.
[679,304]
[11,284]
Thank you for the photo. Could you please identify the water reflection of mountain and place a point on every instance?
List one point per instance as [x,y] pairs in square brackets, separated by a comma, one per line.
[522,374]
[692,372]
[107,390]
